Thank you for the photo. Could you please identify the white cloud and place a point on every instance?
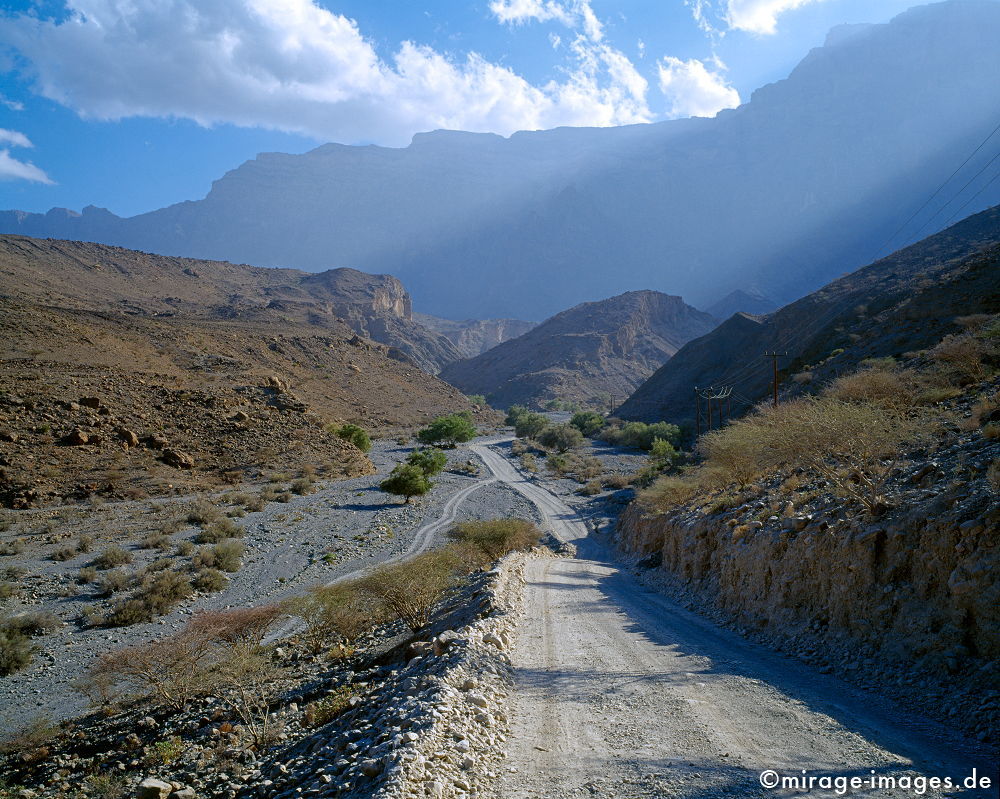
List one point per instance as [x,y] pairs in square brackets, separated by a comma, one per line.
[293,65]
[10,167]
[14,138]
[692,89]
[13,105]
[715,17]
[759,16]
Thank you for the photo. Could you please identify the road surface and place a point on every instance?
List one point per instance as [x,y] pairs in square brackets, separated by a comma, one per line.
[621,693]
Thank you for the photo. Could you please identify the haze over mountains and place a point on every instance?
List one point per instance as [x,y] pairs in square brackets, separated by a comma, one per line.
[799,185]
[591,353]
[905,302]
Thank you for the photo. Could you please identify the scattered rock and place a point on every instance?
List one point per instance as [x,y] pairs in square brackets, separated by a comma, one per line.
[177,458]
[152,788]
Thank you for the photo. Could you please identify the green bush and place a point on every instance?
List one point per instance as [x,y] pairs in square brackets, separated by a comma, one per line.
[219,531]
[356,435]
[641,435]
[515,412]
[162,590]
[209,580]
[203,512]
[129,612]
[429,461]
[477,399]
[562,437]
[406,480]
[449,430]
[588,422]
[229,555]
[302,486]
[530,425]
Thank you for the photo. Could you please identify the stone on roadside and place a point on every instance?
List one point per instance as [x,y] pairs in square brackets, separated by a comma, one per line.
[152,788]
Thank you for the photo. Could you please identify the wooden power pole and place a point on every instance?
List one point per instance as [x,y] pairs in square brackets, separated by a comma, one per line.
[774,362]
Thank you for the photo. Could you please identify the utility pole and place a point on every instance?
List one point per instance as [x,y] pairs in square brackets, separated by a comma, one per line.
[697,412]
[774,362]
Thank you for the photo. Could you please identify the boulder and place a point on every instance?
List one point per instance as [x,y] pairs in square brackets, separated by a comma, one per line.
[76,438]
[177,458]
[127,437]
[7,435]
[444,640]
[90,402]
[240,417]
[156,441]
[152,788]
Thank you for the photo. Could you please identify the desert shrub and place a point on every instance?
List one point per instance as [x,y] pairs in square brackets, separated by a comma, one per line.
[157,565]
[662,454]
[496,537]
[476,399]
[429,461]
[932,395]
[112,557]
[166,751]
[410,590]
[228,555]
[561,437]
[209,580]
[302,486]
[336,614]
[639,434]
[106,786]
[448,430]
[530,425]
[162,590]
[128,612]
[325,710]
[219,531]
[85,543]
[184,548]
[64,553]
[351,432]
[961,355]
[406,480]
[591,487]
[157,541]
[15,547]
[993,476]
[741,449]
[616,480]
[587,422]
[256,504]
[984,411]
[557,464]
[7,589]
[992,431]
[802,378]
[15,652]
[28,739]
[203,512]
[113,582]
[30,624]
[890,388]
[529,462]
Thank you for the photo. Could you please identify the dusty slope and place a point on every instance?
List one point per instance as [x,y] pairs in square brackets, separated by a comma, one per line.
[901,303]
[589,353]
[85,276]
[235,387]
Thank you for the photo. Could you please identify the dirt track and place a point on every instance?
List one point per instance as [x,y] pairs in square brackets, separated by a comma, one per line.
[621,693]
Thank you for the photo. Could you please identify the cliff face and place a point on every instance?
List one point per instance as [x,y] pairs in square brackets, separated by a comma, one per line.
[590,353]
[473,337]
[804,181]
[904,302]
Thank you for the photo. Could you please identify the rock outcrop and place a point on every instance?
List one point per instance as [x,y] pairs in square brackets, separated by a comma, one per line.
[473,337]
[591,353]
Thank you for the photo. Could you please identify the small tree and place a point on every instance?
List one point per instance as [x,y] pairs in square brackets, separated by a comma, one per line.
[561,437]
[429,461]
[450,430]
[410,590]
[406,480]
[356,435]
[662,454]
[587,422]
[530,425]
[515,412]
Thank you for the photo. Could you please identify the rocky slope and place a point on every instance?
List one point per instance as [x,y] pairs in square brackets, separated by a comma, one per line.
[803,182]
[473,337]
[590,353]
[904,302]
[81,275]
[126,372]
[907,603]
[740,301]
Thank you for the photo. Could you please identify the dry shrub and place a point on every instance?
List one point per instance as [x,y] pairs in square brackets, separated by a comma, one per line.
[993,476]
[962,355]
[27,742]
[325,710]
[203,512]
[30,624]
[742,449]
[227,555]
[209,580]
[112,557]
[336,614]
[15,652]
[64,553]
[219,530]
[591,488]
[410,590]
[617,480]
[889,388]
[985,411]
[803,378]
[113,582]
[496,537]
[669,491]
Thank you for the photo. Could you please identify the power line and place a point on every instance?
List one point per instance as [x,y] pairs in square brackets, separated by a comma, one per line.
[936,192]
[972,198]
[956,194]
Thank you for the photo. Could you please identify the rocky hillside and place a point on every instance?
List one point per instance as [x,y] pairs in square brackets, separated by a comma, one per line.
[81,275]
[740,301]
[904,302]
[475,223]
[473,337]
[590,353]
[126,373]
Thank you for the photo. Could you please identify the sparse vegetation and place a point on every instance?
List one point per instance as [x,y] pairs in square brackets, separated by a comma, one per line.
[410,590]
[448,430]
[112,557]
[406,480]
[561,437]
[496,537]
[429,461]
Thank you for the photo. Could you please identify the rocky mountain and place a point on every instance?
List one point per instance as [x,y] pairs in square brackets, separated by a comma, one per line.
[473,337]
[591,353]
[905,302]
[123,371]
[739,301]
[804,181]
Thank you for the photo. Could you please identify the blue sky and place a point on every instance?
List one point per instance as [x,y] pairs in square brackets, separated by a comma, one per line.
[135,104]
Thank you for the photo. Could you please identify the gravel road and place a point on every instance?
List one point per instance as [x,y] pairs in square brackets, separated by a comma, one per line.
[621,693]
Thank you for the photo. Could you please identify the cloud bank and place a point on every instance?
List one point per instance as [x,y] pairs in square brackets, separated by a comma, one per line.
[751,16]
[694,90]
[295,66]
